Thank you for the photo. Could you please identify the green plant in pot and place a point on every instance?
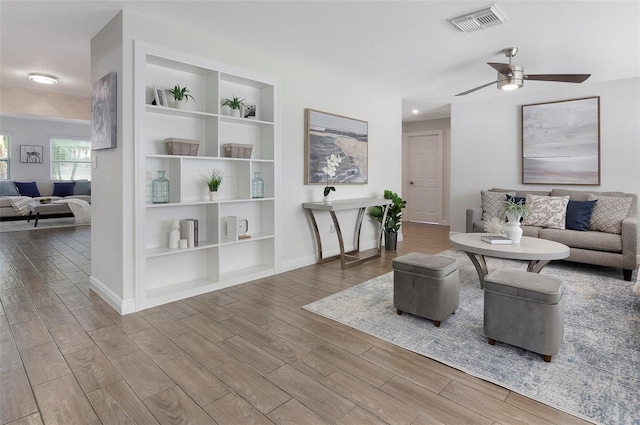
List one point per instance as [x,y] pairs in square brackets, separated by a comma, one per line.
[235,104]
[394,218]
[214,180]
[181,96]
[513,211]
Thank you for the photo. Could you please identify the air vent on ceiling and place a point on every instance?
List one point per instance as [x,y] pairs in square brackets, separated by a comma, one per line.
[479,19]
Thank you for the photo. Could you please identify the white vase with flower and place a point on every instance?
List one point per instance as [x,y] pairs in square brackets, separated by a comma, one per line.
[330,172]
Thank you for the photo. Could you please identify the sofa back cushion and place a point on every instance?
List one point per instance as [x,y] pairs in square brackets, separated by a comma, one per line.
[609,212]
[492,203]
[63,189]
[8,188]
[28,189]
[82,187]
[547,211]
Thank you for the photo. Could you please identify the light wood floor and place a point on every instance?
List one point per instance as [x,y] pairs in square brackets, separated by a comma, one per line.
[243,355]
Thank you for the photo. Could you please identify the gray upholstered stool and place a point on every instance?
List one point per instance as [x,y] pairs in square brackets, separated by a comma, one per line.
[426,285]
[524,309]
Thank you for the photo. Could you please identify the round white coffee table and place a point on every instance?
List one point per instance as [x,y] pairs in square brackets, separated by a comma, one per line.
[537,251]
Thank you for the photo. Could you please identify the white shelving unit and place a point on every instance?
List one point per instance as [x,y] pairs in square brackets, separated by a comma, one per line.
[164,274]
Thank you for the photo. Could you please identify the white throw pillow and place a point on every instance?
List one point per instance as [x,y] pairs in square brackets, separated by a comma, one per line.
[547,211]
[492,202]
[608,213]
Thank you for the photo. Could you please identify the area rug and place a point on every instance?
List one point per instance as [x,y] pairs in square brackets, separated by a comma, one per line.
[45,223]
[595,376]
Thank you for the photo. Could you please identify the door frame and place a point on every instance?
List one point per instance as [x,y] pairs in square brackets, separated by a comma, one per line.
[444,136]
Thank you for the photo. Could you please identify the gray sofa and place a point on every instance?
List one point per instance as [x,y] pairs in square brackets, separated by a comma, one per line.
[81,190]
[586,246]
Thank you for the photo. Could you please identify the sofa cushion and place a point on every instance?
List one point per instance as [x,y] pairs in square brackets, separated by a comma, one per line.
[597,241]
[63,188]
[579,214]
[582,195]
[8,188]
[492,202]
[82,187]
[28,189]
[608,213]
[547,211]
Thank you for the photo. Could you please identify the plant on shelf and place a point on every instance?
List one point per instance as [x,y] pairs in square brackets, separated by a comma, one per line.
[181,93]
[235,103]
[214,180]
[394,218]
[513,210]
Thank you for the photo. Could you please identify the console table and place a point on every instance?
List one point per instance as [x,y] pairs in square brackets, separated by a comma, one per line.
[347,259]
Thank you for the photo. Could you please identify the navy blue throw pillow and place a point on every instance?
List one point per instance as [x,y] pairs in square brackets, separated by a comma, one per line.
[63,189]
[28,189]
[579,214]
[516,199]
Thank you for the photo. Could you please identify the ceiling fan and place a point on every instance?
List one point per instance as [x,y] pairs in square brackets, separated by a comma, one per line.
[511,77]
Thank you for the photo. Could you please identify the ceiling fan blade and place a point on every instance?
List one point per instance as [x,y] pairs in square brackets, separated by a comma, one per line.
[502,68]
[476,88]
[562,78]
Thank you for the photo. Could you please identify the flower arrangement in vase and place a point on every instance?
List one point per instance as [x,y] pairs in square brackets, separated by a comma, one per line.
[330,172]
[214,180]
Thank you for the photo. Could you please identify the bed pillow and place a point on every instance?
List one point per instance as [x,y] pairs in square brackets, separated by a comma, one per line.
[82,187]
[579,214]
[63,189]
[8,188]
[608,213]
[547,211]
[492,202]
[28,189]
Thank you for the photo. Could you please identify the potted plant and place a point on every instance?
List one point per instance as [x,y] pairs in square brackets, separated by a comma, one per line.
[214,180]
[514,211]
[181,96]
[235,104]
[394,218]
[330,172]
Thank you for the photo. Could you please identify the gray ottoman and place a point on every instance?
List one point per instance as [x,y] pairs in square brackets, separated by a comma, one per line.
[426,285]
[524,309]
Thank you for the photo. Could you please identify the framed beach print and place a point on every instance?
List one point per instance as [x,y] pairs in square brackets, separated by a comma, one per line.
[104,113]
[327,134]
[31,154]
[561,142]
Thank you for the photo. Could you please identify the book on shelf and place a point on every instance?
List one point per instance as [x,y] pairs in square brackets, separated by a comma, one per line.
[189,231]
[496,240]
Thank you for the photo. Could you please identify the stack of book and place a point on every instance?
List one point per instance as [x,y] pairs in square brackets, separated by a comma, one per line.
[189,231]
[496,240]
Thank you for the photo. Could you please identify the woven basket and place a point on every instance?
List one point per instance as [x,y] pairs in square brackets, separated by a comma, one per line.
[235,150]
[182,147]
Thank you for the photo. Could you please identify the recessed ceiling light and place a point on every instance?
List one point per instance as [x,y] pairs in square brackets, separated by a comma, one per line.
[43,79]
[415,111]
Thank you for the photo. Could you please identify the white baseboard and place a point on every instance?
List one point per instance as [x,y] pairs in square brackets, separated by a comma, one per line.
[119,305]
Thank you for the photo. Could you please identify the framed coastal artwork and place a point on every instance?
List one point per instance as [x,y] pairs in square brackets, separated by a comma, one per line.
[561,142]
[327,134]
[104,117]
[31,154]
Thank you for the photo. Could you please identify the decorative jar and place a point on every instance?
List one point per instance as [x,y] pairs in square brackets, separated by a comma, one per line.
[160,189]
[257,186]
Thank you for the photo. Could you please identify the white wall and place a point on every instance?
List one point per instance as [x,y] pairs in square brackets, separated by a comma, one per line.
[300,88]
[486,141]
[18,100]
[32,130]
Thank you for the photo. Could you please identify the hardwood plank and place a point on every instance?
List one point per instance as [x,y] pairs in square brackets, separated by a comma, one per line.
[232,409]
[157,346]
[16,398]
[207,327]
[91,318]
[544,411]
[359,416]
[294,335]
[250,313]
[294,412]
[117,404]
[303,361]
[44,363]
[9,354]
[73,407]
[56,315]
[75,300]
[249,331]
[212,310]
[129,324]
[14,295]
[358,367]
[20,312]
[180,309]
[328,404]
[201,385]
[338,338]
[173,406]
[29,420]
[258,391]
[202,350]
[113,342]
[168,324]
[31,333]
[145,378]
[247,353]
[370,398]
[71,338]
[92,369]
[44,298]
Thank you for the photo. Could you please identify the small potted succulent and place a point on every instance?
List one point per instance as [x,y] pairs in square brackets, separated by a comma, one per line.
[214,180]
[235,104]
[181,96]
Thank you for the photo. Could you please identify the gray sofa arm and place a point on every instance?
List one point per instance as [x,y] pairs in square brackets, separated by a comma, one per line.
[629,242]
[473,215]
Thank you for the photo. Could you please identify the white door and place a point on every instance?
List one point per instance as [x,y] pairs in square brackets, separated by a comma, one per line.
[425,177]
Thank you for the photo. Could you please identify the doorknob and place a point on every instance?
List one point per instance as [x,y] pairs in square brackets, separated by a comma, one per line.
[410,182]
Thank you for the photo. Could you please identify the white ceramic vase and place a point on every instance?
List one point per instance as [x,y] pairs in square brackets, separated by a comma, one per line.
[180,104]
[513,229]
[235,113]
[213,196]
[327,199]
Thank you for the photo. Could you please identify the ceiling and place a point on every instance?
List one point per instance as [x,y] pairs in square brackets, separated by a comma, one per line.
[408,46]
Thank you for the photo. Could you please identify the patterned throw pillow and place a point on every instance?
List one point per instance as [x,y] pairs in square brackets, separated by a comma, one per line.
[547,211]
[608,213]
[492,202]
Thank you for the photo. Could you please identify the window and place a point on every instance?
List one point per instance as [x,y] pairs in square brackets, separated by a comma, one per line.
[70,159]
[4,157]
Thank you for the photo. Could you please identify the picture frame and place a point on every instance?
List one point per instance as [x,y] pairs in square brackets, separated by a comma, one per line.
[327,134]
[250,111]
[160,96]
[561,142]
[104,112]
[31,154]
